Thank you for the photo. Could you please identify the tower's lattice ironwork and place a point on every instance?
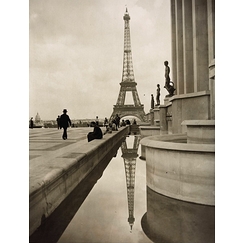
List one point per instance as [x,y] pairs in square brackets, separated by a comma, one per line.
[128,83]
[130,155]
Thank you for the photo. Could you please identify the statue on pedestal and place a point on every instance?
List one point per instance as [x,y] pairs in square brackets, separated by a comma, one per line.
[152,101]
[158,95]
[169,85]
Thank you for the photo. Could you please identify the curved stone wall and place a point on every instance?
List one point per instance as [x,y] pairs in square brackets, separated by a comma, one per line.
[146,131]
[172,221]
[180,170]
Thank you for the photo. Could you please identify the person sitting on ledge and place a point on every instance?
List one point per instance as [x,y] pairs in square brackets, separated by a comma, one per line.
[114,125]
[96,134]
[108,129]
[123,123]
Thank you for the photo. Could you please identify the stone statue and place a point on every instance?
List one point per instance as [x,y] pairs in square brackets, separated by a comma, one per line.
[169,85]
[152,101]
[158,95]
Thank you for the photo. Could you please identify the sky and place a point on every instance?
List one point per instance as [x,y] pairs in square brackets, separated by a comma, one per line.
[76,54]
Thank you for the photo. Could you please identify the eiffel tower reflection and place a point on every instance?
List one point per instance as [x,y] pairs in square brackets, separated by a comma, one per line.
[130,155]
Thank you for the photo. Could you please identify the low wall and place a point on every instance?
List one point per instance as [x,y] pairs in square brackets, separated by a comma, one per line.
[175,221]
[199,131]
[180,190]
[180,170]
[60,181]
[178,108]
[194,106]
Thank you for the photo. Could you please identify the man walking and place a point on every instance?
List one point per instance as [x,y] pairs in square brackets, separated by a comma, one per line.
[65,122]
[31,123]
[58,122]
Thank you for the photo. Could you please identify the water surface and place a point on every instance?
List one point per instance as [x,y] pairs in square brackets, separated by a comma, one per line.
[104,214]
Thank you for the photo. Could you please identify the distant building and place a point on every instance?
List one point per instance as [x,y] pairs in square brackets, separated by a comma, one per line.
[38,122]
[37,118]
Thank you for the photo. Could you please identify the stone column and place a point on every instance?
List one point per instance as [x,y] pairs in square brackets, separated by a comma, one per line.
[211,30]
[200,45]
[173,44]
[179,47]
[152,117]
[156,116]
[188,46]
[211,55]
[212,89]
[163,121]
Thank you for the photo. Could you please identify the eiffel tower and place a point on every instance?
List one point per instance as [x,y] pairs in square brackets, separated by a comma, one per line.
[129,155]
[128,83]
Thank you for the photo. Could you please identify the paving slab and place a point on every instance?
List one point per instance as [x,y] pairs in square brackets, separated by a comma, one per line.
[47,148]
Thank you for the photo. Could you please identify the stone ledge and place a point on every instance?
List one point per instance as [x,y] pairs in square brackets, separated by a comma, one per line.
[198,123]
[189,95]
[175,142]
[47,192]
[149,128]
[200,131]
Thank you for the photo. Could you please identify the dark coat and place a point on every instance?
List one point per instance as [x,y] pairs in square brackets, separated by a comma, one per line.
[96,134]
[65,121]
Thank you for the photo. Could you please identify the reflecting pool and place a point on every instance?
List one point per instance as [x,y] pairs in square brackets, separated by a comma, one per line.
[113,210]
[106,207]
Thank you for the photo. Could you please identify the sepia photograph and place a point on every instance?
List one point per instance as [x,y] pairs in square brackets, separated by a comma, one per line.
[122,121]
[112,108]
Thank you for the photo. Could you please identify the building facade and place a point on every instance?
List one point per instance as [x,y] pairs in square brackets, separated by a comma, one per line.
[179,144]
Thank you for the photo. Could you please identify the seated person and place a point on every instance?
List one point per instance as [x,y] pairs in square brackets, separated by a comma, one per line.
[108,129]
[128,122]
[123,123]
[114,127]
[106,123]
[96,134]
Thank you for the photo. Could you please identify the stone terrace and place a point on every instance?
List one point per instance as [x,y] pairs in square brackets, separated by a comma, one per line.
[56,166]
[46,145]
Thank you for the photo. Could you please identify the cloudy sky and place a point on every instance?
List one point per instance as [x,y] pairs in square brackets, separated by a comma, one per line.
[76,54]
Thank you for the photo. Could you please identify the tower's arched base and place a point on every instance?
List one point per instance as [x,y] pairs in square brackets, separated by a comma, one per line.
[129,110]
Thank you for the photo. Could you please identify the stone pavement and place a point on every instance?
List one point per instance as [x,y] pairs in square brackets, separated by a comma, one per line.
[47,146]
[57,166]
